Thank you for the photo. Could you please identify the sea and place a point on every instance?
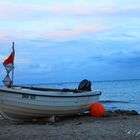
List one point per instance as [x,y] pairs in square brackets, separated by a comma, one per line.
[120,94]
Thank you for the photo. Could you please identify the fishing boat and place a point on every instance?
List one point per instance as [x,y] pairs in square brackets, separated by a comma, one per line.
[28,102]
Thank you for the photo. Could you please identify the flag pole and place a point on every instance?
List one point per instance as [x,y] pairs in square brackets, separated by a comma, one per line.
[13,63]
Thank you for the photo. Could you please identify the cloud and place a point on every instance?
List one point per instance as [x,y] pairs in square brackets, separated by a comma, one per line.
[16,36]
[129,60]
[2,37]
[2,15]
[123,60]
[130,7]
[80,8]
[61,20]
[76,32]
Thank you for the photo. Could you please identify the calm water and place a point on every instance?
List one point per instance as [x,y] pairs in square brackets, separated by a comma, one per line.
[115,94]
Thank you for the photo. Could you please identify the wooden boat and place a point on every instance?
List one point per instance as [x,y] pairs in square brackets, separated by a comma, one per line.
[32,102]
[22,102]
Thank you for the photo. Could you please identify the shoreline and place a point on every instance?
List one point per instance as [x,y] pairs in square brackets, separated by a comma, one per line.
[115,125]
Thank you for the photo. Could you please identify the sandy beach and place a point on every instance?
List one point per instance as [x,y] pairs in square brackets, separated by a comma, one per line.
[113,126]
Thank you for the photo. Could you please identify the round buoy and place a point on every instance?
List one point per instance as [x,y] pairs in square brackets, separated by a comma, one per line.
[97,110]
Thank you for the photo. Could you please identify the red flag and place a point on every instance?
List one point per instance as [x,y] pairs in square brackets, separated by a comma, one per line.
[10,59]
[9,62]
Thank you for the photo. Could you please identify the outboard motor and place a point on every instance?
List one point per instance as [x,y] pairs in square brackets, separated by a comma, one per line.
[85,85]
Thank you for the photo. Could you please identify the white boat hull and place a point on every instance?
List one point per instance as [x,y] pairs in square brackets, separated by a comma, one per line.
[28,104]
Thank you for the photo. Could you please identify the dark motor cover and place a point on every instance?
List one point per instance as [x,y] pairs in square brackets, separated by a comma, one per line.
[85,85]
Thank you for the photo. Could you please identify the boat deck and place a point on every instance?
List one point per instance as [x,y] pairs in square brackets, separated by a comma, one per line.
[49,89]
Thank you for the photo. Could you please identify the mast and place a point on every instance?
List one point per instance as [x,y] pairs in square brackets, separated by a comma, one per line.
[13,49]
[9,66]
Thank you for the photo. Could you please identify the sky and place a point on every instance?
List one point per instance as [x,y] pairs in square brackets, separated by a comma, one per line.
[67,41]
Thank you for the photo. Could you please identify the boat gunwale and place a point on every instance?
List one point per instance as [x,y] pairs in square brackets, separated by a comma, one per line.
[54,95]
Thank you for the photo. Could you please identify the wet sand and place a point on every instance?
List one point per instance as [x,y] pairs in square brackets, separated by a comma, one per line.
[119,125]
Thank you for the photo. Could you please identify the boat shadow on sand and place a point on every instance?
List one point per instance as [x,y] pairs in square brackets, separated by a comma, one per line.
[79,117]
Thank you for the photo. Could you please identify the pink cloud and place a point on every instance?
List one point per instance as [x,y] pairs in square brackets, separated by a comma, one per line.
[12,10]
[76,32]
[59,34]
[14,36]
[2,37]
[2,15]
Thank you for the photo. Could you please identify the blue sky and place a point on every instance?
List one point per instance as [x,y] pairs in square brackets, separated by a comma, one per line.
[65,41]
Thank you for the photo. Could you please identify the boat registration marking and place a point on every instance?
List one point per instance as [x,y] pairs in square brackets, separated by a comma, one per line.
[28,96]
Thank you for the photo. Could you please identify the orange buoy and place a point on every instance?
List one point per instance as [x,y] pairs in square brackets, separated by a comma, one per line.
[97,110]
